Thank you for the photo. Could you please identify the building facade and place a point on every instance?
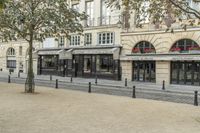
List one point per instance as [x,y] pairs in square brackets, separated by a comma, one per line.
[106,49]
[160,56]
[14,56]
[94,53]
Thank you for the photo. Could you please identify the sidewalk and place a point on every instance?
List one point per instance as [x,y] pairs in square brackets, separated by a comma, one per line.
[112,83]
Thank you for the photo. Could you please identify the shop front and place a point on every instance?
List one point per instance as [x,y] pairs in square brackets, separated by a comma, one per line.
[185,72]
[81,62]
[101,63]
[144,71]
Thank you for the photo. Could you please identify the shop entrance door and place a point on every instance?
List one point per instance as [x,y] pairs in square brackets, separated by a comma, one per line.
[185,72]
[144,71]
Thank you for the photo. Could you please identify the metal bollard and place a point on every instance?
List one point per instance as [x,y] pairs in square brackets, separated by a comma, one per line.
[71,80]
[125,81]
[133,95]
[96,80]
[9,81]
[89,89]
[163,85]
[56,84]
[195,98]
[19,74]
[50,77]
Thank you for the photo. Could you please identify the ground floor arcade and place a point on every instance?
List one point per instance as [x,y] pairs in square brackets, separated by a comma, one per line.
[173,69]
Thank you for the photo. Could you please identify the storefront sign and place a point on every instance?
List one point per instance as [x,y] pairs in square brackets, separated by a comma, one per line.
[162,57]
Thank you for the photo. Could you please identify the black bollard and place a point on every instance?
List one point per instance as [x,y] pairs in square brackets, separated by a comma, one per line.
[89,89]
[195,98]
[19,74]
[125,81]
[56,84]
[71,80]
[8,78]
[163,85]
[133,95]
[50,77]
[96,80]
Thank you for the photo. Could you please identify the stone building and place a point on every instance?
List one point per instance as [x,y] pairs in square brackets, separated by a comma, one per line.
[94,53]
[108,50]
[150,54]
[14,56]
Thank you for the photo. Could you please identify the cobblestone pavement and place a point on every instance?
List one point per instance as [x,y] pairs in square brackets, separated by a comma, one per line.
[147,91]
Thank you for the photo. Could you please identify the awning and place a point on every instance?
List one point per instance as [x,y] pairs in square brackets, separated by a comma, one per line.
[48,52]
[162,57]
[63,54]
[96,51]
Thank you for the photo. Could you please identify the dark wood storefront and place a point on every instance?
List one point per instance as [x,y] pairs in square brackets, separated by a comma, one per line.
[51,65]
[96,64]
[102,66]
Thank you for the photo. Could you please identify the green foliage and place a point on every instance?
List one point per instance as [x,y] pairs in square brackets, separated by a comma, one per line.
[37,20]
[158,11]
[40,18]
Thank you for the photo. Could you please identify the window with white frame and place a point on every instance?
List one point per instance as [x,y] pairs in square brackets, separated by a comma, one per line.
[61,41]
[105,13]
[88,39]
[75,40]
[106,38]
[90,12]
[11,58]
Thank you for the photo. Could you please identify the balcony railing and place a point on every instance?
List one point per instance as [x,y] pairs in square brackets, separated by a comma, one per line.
[90,22]
[103,21]
[109,20]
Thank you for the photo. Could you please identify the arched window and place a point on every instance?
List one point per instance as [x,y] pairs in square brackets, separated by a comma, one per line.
[144,47]
[184,46]
[11,58]
[11,52]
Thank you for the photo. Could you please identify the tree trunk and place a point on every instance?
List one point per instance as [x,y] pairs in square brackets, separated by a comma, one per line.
[30,84]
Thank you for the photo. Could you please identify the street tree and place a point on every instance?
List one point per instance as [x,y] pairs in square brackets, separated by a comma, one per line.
[35,20]
[159,11]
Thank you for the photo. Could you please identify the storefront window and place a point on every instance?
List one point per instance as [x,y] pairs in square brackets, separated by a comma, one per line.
[144,71]
[49,62]
[185,46]
[104,63]
[185,72]
[144,47]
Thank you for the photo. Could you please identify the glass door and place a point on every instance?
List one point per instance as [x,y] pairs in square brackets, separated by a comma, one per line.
[144,71]
[185,73]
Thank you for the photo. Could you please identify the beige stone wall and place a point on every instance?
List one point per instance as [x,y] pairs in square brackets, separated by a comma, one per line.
[126,70]
[4,46]
[162,72]
[162,42]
